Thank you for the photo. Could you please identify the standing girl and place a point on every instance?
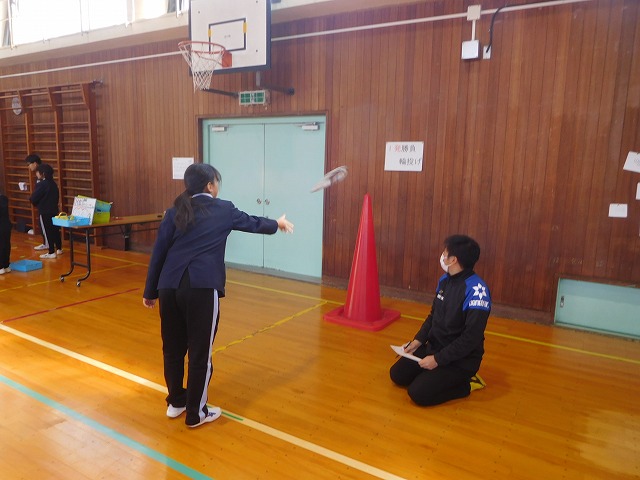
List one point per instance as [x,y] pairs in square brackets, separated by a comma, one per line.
[187,274]
[46,197]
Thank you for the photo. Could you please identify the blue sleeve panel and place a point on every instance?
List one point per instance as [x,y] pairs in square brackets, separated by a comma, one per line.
[477,295]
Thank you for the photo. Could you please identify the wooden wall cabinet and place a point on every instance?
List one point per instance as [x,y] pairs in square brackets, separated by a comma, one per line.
[59,124]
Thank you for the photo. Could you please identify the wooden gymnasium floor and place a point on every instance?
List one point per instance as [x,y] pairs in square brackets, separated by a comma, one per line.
[82,395]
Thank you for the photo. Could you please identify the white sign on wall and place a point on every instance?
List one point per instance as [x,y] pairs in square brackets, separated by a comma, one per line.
[404,156]
[632,162]
[180,164]
[618,210]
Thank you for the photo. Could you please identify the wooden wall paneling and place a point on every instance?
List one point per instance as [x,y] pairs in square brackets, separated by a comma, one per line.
[470,209]
[602,87]
[588,101]
[390,221]
[160,104]
[330,238]
[128,135]
[300,103]
[166,115]
[544,184]
[482,163]
[376,136]
[454,125]
[514,164]
[366,146]
[126,143]
[530,168]
[344,224]
[609,154]
[536,150]
[381,192]
[362,144]
[362,148]
[439,162]
[633,10]
[116,158]
[600,197]
[483,154]
[630,249]
[349,98]
[457,125]
[556,171]
[344,154]
[317,71]
[289,103]
[577,111]
[499,206]
[147,94]
[416,104]
[142,99]
[430,243]
[398,210]
[89,94]
[407,182]
[564,202]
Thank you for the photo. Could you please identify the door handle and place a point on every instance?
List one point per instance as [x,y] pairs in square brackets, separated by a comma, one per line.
[267,202]
[258,201]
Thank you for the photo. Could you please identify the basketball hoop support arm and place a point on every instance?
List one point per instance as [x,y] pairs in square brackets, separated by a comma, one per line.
[221,92]
[285,90]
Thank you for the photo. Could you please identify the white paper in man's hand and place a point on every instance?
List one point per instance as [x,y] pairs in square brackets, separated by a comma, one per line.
[399,349]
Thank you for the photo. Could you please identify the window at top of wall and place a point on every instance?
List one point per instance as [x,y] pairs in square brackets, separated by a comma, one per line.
[40,20]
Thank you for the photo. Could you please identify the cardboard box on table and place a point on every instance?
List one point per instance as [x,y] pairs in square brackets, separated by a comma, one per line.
[86,211]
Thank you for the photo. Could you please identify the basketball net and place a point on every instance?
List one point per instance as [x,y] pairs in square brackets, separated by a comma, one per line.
[203,58]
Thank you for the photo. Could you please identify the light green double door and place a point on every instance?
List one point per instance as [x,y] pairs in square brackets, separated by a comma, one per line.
[268,167]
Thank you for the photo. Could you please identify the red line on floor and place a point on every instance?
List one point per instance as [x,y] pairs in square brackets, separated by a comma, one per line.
[68,305]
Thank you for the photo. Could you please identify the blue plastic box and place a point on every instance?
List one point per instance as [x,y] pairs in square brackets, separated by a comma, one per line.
[25,265]
[71,221]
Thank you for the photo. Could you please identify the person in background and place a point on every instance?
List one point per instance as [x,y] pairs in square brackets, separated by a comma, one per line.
[450,342]
[46,198]
[5,235]
[187,274]
[33,160]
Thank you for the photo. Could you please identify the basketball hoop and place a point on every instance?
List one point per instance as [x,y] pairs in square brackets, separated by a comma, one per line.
[203,58]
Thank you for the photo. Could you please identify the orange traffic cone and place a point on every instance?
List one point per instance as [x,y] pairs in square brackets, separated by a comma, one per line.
[362,309]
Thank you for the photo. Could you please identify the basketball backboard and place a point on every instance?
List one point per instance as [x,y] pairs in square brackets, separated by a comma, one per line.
[243,27]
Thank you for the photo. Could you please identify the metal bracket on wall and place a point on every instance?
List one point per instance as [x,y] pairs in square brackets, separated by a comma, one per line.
[285,90]
[221,92]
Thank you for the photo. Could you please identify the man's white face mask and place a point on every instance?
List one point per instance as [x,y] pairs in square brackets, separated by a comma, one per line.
[444,266]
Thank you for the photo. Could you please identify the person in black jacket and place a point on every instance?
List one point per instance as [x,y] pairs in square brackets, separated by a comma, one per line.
[33,160]
[450,342]
[46,197]
[5,235]
[187,273]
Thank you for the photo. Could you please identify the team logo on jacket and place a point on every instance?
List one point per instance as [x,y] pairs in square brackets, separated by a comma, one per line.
[479,295]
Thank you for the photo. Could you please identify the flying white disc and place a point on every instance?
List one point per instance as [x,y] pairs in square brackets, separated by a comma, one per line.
[334,176]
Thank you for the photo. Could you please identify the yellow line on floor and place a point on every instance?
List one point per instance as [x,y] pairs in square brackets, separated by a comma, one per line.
[283,292]
[269,327]
[552,345]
